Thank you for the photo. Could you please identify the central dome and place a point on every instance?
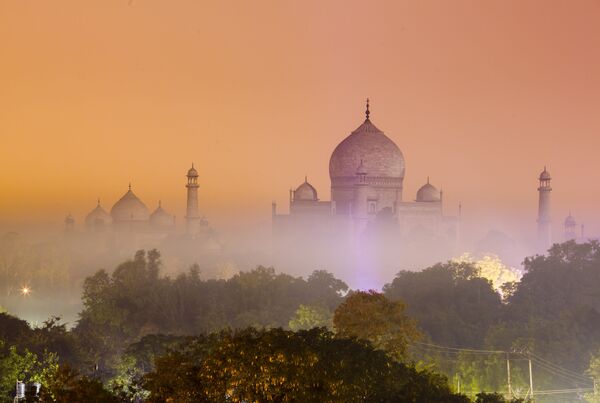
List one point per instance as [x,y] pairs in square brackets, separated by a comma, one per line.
[129,208]
[380,155]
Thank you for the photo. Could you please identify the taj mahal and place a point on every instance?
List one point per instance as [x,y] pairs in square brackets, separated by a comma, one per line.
[368,224]
[368,212]
[367,172]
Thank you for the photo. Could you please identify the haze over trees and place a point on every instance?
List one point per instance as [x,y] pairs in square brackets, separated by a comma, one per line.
[265,335]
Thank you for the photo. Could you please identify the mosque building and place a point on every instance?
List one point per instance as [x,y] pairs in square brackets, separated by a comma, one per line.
[130,222]
[367,172]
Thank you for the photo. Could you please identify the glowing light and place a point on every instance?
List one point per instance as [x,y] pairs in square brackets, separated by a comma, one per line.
[25,290]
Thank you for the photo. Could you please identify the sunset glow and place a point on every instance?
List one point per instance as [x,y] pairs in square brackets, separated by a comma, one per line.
[97,95]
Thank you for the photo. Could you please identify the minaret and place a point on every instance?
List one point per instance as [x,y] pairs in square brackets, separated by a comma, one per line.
[192,215]
[69,223]
[570,228]
[544,221]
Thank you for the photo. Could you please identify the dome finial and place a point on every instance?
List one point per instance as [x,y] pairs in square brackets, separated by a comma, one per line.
[159,203]
[305,178]
[367,112]
[428,179]
[98,202]
[129,185]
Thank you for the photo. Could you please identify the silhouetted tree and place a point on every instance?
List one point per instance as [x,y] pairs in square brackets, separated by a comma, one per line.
[371,316]
[278,365]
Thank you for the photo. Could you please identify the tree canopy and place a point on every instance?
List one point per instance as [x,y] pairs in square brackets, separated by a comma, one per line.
[282,366]
[371,316]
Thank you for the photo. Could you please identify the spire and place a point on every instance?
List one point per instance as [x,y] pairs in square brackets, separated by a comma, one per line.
[305,178]
[367,112]
[428,179]
[129,185]
[98,202]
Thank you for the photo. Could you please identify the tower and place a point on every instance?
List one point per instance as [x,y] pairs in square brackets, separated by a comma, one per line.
[570,228]
[192,215]
[69,223]
[544,221]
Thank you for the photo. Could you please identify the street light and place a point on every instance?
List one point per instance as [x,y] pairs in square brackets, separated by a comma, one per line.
[25,290]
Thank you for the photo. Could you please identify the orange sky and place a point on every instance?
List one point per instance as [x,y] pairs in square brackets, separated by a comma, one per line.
[478,95]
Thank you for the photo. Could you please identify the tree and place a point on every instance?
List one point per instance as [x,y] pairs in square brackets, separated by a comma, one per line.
[23,366]
[307,317]
[325,290]
[491,268]
[67,385]
[283,366]
[453,305]
[134,301]
[495,398]
[13,329]
[371,316]
[594,372]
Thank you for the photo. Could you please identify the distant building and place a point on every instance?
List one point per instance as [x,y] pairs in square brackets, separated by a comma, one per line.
[367,210]
[570,228]
[130,225]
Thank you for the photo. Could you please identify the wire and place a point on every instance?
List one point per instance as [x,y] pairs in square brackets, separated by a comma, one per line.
[561,391]
[556,366]
[461,349]
[564,375]
[552,368]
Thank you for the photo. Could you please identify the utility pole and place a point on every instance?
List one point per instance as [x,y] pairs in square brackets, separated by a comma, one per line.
[508,377]
[530,379]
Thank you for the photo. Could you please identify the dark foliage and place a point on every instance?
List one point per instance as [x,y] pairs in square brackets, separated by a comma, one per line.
[283,366]
[451,303]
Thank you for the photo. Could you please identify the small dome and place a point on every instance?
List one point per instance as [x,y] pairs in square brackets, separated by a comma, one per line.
[98,217]
[545,175]
[428,193]
[192,171]
[570,221]
[160,218]
[129,208]
[305,191]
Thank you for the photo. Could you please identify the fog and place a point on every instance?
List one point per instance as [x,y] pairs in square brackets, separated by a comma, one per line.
[53,261]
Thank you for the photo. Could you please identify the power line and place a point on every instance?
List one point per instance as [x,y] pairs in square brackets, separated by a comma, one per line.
[537,357]
[550,367]
[559,372]
[471,350]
